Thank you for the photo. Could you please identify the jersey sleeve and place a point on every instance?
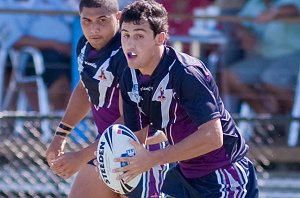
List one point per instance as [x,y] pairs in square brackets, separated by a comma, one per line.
[119,63]
[81,42]
[194,90]
[134,119]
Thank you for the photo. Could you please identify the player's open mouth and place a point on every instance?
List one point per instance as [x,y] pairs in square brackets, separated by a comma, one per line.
[131,55]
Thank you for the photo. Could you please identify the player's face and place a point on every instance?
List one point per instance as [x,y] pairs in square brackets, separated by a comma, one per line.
[98,26]
[142,49]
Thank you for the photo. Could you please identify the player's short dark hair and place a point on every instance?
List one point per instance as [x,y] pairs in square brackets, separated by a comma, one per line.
[146,10]
[111,5]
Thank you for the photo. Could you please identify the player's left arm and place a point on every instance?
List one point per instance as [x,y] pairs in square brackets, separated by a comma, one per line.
[207,138]
[203,107]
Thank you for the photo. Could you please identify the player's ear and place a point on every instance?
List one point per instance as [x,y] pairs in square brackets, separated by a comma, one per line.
[161,38]
[118,15]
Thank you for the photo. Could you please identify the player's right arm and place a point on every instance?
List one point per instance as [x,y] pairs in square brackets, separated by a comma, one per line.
[78,107]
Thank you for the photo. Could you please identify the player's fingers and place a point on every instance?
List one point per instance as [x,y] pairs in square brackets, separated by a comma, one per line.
[126,177]
[58,167]
[66,176]
[135,144]
[62,172]
[50,157]
[123,159]
[117,170]
[59,161]
[56,170]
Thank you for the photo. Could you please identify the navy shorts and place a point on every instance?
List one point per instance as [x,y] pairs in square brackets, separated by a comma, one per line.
[93,162]
[234,181]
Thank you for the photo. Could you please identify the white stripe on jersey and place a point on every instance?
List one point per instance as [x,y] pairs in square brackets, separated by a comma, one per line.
[165,96]
[81,57]
[134,95]
[104,84]
[145,185]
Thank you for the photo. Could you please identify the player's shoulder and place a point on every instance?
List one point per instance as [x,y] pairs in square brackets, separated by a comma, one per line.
[82,41]
[80,44]
[185,66]
[182,59]
[118,62]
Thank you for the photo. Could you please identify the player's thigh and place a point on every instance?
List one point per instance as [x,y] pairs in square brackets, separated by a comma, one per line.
[87,184]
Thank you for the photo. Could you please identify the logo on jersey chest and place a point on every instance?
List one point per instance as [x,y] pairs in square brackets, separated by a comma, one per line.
[102,75]
[90,64]
[162,94]
[161,97]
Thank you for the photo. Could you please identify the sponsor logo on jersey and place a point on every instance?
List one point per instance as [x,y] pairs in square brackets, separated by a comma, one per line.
[90,64]
[146,88]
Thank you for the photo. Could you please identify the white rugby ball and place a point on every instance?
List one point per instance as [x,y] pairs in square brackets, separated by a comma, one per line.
[113,143]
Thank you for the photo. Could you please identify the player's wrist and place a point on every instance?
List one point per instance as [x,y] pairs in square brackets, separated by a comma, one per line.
[156,158]
[63,130]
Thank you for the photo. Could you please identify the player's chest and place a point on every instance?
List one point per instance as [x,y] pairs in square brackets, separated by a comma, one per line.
[97,71]
[156,95]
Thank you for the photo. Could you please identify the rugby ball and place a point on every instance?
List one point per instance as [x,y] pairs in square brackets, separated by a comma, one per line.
[113,143]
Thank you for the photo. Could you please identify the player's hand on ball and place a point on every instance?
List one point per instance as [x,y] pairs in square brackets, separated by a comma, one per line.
[137,164]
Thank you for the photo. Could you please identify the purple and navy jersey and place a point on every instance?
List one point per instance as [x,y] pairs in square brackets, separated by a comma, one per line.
[100,72]
[178,97]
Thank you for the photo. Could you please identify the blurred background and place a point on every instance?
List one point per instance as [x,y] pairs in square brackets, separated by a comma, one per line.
[252,48]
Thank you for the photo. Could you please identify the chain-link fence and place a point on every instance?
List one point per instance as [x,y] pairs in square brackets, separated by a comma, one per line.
[24,171]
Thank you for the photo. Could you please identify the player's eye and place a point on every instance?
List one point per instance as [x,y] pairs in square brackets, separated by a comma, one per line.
[139,36]
[125,35]
[86,20]
[102,21]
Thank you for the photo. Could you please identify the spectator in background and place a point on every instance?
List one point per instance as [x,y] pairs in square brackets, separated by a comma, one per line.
[233,51]
[177,25]
[52,36]
[11,29]
[266,78]
[180,26]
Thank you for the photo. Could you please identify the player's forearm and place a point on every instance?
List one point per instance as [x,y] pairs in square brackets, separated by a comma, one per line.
[142,134]
[207,138]
[78,106]
[158,137]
